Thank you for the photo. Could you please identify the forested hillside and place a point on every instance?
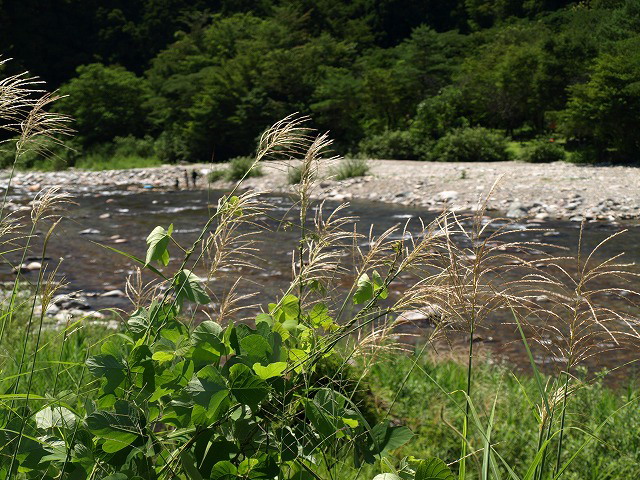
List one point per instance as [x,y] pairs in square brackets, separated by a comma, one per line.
[195,80]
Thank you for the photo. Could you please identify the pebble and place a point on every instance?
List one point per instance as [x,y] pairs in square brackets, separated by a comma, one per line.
[446,196]
[28,267]
[113,293]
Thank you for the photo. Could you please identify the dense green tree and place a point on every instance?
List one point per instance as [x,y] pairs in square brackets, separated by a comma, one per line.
[604,112]
[106,102]
[205,77]
[503,81]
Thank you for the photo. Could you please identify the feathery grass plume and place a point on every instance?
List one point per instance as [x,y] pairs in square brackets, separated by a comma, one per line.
[324,249]
[570,305]
[317,155]
[570,314]
[40,130]
[232,303]
[233,243]
[480,261]
[16,98]
[286,139]
[139,292]
[48,202]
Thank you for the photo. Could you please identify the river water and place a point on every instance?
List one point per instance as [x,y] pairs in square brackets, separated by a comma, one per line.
[132,215]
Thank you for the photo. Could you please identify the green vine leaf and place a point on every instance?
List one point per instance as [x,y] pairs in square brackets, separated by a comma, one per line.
[119,429]
[189,286]
[433,469]
[158,242]
[271,370]
[368,288]
[248,388]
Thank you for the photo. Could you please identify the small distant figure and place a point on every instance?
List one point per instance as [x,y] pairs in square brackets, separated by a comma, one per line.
[194,177]
[186,179]
[177,184]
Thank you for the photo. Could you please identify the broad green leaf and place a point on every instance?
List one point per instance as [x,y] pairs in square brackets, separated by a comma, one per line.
[119,428]
[189,286]
[55,417]
[286,311]
[397,437]
[224,470]
[209,391]
[246,386]
[163,356]
[158,241]
[319,317]
[255,348]
[368,288]
[387,476]
[270,371]
[298,358]
[190,466]
[433,469]
[109,367]
[208,332]
[264,318]
[385,438]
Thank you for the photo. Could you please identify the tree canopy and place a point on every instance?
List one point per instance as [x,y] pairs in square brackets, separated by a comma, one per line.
[204,78]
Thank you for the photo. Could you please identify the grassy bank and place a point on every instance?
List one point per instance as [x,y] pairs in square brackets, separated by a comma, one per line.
[412,388]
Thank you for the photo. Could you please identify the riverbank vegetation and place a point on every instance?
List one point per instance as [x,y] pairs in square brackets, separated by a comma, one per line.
[195,81]
[314,383]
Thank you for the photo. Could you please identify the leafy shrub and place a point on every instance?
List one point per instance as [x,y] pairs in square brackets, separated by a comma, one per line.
[436,116]
[471,145]
[350,168]
[239,166]
[543,151]
[391,144]
[171,147]
[217,174]
[584,154]
[294,174]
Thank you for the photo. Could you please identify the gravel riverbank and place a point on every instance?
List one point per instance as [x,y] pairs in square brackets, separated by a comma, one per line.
[539,191]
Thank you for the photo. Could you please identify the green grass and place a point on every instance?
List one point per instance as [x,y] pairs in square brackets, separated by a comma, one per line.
[423,406]
[61,355]
[236,170]
[101,162]
[294,174]
[351,168]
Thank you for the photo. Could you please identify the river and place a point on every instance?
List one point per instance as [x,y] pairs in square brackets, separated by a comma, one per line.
[122,219]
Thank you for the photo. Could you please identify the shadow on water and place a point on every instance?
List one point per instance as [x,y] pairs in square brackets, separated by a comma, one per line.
[123,219]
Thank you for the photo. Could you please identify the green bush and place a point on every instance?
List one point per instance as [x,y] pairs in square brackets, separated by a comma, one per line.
[350,168]
[543,151]
[475,144]
[391,144]
[236,169]
[584,154]
[215,175]
[239,166]
[294,175]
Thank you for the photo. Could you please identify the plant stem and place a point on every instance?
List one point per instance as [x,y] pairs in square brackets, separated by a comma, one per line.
[562,421]
[463,453]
